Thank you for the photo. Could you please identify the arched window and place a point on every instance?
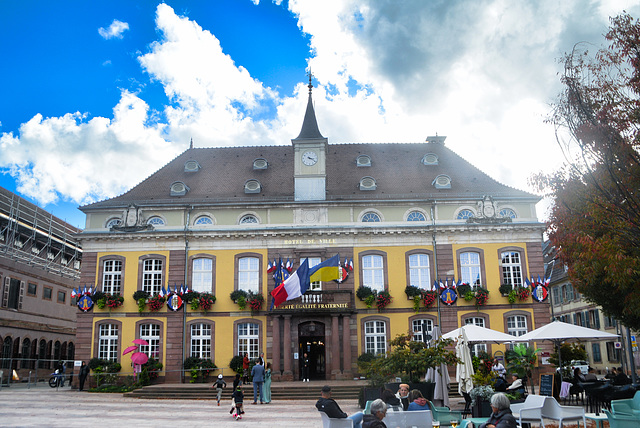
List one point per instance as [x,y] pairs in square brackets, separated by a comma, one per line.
[155,221]
[465,214]
[507,212]
[249,219]
[203,220]
[470,269]
[370,217]
[249,274]
[416,216]
[113,222]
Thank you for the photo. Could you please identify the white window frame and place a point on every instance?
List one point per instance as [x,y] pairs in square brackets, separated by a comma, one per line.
[108,342]
[373,272]
[200,340]
[202,275]
[511,265]
[416,328]
[249,339]
[151,333]
[152,275]
[370,217]
[416,216]
[465,214]
[112,276]
[517,325]
[471,269]
[420,271]
[249,274]
[375,337]
[478,347]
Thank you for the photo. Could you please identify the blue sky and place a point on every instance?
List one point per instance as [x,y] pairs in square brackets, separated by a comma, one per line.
[98,95]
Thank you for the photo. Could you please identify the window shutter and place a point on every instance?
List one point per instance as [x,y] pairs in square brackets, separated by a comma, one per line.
[597,318]
[21,295]
[575,319]
[5,292]
[587,320]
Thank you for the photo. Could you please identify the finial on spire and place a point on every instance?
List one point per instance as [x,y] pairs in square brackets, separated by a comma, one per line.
[310,74]
[191,144]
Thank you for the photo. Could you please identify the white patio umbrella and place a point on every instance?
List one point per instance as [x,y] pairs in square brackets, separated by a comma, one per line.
[476,334]
[558,332]
[464,371]
[440,376]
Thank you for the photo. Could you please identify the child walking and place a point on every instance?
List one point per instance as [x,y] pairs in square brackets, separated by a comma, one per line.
[218,385]
[238,398]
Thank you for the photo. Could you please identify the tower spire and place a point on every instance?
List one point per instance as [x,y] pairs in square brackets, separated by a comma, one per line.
[310,128]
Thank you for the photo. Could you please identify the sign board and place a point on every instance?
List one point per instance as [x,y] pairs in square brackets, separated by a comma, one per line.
[77,363]
[546,384]
[634,344]
[617,345]
[295,355]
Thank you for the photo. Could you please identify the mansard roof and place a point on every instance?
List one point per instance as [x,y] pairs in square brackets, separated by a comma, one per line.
[397,169]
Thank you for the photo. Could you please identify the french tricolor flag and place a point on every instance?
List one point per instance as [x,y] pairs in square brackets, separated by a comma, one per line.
[294,286]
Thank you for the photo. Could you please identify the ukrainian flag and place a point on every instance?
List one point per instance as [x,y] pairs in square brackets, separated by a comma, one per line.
[329,270]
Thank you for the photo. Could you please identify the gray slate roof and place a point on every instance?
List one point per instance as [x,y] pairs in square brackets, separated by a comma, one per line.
[397,169]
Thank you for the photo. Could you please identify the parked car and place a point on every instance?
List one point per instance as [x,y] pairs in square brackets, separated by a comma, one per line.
[582,365]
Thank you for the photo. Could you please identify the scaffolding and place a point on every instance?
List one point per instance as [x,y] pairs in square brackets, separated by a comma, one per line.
[33,236]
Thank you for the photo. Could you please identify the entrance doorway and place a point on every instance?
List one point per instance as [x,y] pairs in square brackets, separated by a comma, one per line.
[311,341]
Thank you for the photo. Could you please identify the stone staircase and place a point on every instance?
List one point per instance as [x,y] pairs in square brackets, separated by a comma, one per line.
[291,391]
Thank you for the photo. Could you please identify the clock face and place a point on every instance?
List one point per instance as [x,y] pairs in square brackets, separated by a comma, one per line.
[309,158]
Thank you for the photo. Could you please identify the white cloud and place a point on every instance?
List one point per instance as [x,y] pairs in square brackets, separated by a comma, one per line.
[481,73]
[114,31]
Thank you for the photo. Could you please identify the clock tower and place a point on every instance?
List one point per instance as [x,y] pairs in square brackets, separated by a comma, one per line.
[310,156]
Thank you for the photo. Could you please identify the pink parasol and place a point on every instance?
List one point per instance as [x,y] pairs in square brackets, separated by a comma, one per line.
[130,349]
[139,358]
[141,342]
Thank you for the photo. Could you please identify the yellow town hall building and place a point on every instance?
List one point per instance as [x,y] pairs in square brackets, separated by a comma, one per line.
[215,220]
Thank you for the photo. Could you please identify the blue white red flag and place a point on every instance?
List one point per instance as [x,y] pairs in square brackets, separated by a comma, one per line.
[161,293]
[295,286]
[288,266]
[271,267]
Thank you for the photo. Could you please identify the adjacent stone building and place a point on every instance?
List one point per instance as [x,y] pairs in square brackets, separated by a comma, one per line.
[40,261]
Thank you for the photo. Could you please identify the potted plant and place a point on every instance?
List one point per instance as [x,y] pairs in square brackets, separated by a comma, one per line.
[480,398]
[240,298]
[206,301]
[523,293]
[367,295]
[383,299]
[481,295]
[141,297]
[505,289]
[255,301]
[429,297]
[155,303]
[463,290]
[415,294]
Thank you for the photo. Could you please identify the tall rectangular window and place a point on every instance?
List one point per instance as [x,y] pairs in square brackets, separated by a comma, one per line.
[511,269]
[150,333]
[375,337]
[373,272]
[478,347]
[112,276]
[201,341]
[202,278]
[152,276]
[14,293]
[555,296]
[420,326]
[108,342]
[249,274]
[248,336]
[613,354]
[517,325]
[419,271]
[470,269]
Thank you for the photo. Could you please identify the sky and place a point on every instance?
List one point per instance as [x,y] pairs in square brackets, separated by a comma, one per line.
[96,96]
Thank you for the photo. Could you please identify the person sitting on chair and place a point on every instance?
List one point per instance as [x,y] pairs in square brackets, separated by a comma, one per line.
[378,412]
[516,384]
[329,406]
[501,416]
[403,395]
[393,403]
[417,401]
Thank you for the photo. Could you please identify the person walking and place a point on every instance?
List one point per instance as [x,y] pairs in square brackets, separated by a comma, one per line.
[218,385]
[257,373]
[238,400]
[82,375]
[267,384]
[305,368]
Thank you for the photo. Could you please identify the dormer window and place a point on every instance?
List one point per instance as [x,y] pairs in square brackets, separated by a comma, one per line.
[260,163]
[370,217]
[203,220]
[178,188]
[191,166]
[113,222]
[430,159]
[507,213]
[363,160]
[252,186]
[442,182]
[249,219]
[368,183]
[465,214]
